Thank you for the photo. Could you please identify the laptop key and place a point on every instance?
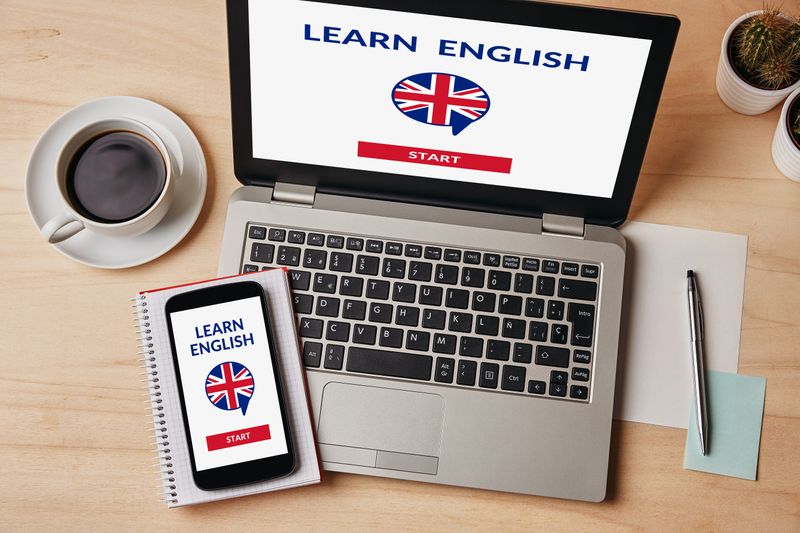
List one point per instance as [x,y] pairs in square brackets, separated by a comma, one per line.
[488,375]
[457,298]
[288,255]
[555,310]
[303,303]
[394,248]
[406,316]
[443,343]
[433,319]
[446,274]
[530,264]
[249,268]
[386,363]
[325,283]
[311,328]
[577,290]
[552,356]
[545,286]
[377,289]
[258,233]
[316,239]
[589,271]
[351,286]
[557,389]
[341,262]
[334,357]
[404,292]
[523,283]
[582,318]
[394,268]
[355,244]
[367,265]
[513,378]
[523,353]
[418,340]
[381,313]
[391,338]
[510,261]
[296,237]
[452,255]
[277,234]
[432,252]
[499,280]
[300,280]
[315,258]
[557,376]
[579,392]
[580,374]
[335,241]
[534,307]
[337,331]
[569,269]
[445,368]
[354,310]
[487,325]
[537,331]
[419,271]
[312,354]
[471,347]
[483,301]
[472,258]
[429,295]
[549,266]
[327,306]
[460,322]
[582,356]
[492,260]
[498,350]
[558,333]
[413,250]
[364,334]
[374,246]
[537,387]
[513,328]
[472,277]
[510,305]
[466,372]
[261,252]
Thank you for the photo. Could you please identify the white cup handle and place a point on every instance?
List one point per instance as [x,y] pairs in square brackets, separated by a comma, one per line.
[60,228]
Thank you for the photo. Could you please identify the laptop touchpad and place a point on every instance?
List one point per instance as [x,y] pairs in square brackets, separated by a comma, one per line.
[381,427]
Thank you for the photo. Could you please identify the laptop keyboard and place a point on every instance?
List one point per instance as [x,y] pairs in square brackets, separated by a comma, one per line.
[451,316]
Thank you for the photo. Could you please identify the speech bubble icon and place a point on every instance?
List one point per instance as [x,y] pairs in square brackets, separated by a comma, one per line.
[441,99]
[230,386]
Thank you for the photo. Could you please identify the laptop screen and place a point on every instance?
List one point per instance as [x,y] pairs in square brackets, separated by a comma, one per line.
[440,97]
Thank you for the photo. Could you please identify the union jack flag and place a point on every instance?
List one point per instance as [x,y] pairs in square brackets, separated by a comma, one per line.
[441,99]
[230,386]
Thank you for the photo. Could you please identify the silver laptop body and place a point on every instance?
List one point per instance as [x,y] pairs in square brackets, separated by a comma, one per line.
[495,433]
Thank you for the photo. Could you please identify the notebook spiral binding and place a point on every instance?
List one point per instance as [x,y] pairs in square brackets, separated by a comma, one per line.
[154,402]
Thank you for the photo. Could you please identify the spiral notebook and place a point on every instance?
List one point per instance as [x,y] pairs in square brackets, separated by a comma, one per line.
[170,437]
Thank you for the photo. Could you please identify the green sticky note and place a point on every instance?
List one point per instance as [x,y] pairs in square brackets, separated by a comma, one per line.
[735,409]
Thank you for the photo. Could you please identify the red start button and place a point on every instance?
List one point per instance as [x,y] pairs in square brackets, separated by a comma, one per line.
[237,438]
[432,156]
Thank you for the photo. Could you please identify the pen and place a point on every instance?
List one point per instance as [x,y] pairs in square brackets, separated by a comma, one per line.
[696,334]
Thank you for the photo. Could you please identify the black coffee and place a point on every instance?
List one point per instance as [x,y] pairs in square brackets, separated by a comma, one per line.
[116,177]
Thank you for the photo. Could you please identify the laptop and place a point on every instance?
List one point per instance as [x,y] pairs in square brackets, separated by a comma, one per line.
[442,181]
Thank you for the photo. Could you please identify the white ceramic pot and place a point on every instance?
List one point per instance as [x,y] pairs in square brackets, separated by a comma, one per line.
[737,93]
[785,151]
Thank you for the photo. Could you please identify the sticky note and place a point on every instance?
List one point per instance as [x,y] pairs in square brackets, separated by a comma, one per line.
[735,408]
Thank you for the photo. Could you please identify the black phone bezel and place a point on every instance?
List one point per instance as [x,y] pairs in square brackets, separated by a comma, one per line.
[661,29]
[248,471]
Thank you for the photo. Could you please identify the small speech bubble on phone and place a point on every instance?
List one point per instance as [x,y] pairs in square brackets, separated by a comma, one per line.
[230,386]
[441,99]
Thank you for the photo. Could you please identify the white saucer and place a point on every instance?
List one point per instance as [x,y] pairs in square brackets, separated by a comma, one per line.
[44,201]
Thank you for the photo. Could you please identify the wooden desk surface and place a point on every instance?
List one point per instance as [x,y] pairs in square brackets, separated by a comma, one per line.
[74,436]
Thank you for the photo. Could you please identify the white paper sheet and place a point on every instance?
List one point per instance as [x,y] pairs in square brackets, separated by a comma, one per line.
[654,373]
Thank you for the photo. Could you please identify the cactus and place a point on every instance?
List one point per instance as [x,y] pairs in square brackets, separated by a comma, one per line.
[760,37]
[778,71]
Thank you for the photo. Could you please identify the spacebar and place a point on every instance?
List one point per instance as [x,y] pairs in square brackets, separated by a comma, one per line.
[395,364]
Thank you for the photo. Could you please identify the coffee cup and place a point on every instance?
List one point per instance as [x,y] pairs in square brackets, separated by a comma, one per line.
[115,177]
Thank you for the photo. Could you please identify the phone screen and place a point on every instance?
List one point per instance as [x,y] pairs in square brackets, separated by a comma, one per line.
[228,383]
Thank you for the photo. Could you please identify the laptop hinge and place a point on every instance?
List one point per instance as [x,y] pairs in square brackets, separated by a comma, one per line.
[293,194]
[563,225]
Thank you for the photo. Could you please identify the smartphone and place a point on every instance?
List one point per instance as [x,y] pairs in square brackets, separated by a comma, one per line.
[229,385]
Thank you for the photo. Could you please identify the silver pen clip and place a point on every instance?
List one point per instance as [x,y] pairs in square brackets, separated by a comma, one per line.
[700,312]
